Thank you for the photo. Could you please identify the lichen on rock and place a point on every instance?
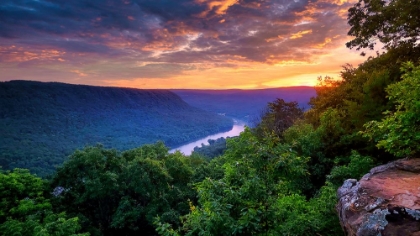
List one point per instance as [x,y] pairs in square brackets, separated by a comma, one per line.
[373,223]
[414,213]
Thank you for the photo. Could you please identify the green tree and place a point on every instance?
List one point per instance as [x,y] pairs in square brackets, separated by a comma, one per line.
[316,216]
[398,132]
[357,167]
[214,149]
[243,201]
[323,144]
[358,98]
[25,209]
[121,193]
[279,116]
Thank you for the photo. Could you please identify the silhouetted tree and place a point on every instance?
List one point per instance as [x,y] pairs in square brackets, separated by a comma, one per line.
[279,116]
[393,22]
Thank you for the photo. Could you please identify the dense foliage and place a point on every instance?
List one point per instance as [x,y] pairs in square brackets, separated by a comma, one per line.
[399,132]
[120,193]
[25,208]
[42,123]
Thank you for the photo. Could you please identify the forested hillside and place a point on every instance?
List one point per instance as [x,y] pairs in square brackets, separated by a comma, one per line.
[245,105]
[42,123]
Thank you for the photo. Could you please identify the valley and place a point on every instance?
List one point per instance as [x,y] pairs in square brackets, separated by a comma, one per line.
[42,123]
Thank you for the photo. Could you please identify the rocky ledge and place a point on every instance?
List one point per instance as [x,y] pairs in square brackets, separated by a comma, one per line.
[386,201]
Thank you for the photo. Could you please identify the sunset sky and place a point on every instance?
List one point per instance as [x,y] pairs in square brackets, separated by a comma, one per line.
[213,44]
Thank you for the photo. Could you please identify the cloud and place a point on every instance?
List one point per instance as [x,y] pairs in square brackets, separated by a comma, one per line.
[300,34]
[173,36]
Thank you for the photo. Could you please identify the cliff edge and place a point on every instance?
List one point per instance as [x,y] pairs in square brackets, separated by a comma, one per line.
[386,201]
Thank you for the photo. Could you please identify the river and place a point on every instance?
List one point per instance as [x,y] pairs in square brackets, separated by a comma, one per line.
[187,149]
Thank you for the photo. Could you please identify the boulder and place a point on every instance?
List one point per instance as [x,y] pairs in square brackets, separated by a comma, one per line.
[386,201]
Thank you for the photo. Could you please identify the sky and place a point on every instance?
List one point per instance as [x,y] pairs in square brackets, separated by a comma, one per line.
[197,44]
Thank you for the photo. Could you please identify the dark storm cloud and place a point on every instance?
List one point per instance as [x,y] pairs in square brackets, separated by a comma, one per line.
[169,31]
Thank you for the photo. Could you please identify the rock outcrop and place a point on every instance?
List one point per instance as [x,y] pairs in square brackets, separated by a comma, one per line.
[386,201]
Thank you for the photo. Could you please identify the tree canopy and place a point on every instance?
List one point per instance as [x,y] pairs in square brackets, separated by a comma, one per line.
[25,208]
[121,193]
[279,116]
[398,132]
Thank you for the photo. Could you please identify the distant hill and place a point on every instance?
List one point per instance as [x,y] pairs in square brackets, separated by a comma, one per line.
[42,123]
[244,105]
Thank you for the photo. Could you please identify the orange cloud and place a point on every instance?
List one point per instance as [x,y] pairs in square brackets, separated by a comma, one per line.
[321,45]
[300,34]
[339,2]
[220,6]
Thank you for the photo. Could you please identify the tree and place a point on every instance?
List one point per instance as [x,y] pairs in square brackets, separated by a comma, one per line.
[121,193]
[25,209]
[243,200]
[323,144]
[359,97]
[279,116]
[214,149]
[393,22]
[398,132]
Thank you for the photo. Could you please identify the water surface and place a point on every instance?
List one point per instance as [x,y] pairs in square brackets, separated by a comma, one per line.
[187,149]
